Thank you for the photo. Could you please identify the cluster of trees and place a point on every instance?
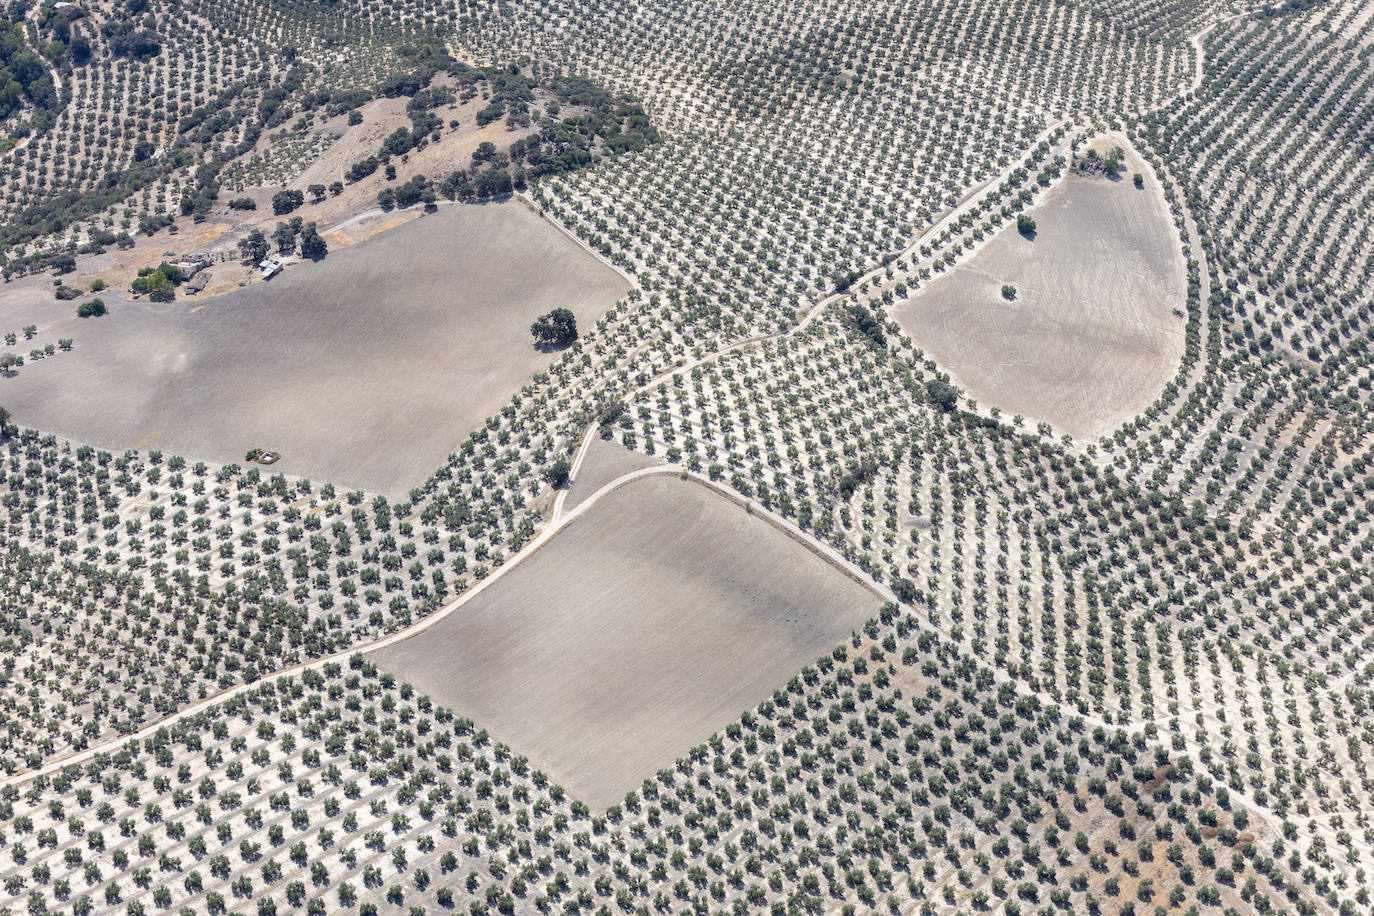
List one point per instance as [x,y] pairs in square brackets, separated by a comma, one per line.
[613,124]
[24,77]
[159,282]
[255,246]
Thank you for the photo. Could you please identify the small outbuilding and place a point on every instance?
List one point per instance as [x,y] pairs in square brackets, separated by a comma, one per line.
[270,268]
[197,283]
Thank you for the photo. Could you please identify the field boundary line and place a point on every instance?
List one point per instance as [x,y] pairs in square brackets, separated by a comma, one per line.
[540,212]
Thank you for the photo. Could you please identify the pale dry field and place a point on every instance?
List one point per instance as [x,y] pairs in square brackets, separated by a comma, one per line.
[638,632]
[605,461]
[1091,337]
[366,369]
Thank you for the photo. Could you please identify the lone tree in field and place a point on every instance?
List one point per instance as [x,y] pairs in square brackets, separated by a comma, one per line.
[1025,224]
[1008,291]
[312,243]
[556,329]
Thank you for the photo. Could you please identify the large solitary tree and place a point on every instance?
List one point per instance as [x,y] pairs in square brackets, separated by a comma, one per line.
[255,246]
[557,329]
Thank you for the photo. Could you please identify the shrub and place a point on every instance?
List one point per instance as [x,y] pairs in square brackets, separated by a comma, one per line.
[243,203]
[92,309]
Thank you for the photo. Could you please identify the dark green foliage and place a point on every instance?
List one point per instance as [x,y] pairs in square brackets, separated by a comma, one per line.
[255,246]
[158,282]
[558,328]
[285,201]
[845,278]
[153,222]
[867,324]
[557,473]
[942,394]
[92,309]
[416,190]
[285,237]
[614,124]
[23,75]
[312,243]
[855,476]
[243,203]
[492,183]
[362,168]
[127,37]
[1025,224]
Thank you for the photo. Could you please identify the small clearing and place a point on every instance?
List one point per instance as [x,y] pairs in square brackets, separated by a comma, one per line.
[365,370]
[637,633]
[1091,337]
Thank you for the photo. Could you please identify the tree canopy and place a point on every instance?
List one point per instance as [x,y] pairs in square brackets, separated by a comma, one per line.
[557,329]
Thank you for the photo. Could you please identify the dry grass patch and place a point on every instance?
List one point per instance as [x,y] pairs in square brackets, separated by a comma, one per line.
[638,632]
[1091,336]
[365,370]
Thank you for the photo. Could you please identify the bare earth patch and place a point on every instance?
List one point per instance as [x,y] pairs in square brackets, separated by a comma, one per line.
[634,635]
[1091,337]
[365,369]
[604,462]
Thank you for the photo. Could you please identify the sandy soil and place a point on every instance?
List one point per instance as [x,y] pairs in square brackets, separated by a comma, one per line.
[1091,337]
[365,369]
[635,635]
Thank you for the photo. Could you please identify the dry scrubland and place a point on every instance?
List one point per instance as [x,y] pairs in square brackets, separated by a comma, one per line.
[365,370]
[1095,330]
[648,624]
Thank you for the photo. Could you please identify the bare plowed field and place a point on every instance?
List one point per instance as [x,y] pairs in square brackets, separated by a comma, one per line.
[604,462]
[1091,336]
[634,635]
[365,369]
